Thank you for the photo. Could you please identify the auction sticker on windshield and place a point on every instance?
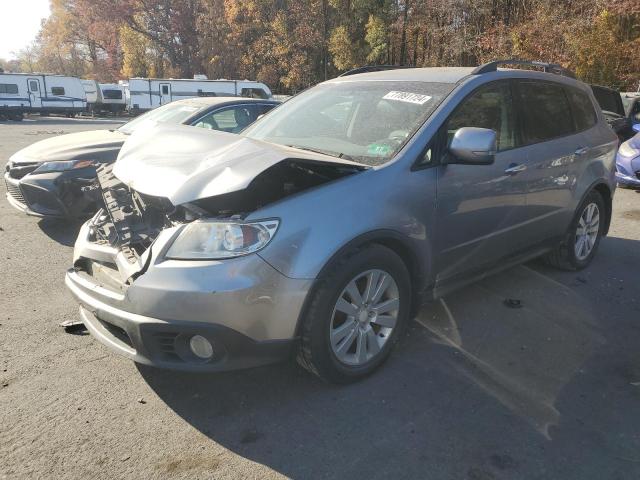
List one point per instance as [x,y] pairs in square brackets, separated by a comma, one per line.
[407,97]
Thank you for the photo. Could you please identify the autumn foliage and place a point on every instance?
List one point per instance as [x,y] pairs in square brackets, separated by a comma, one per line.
[291,44]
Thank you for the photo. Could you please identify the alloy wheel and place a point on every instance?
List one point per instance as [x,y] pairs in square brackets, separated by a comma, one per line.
[364,317]
[587,231]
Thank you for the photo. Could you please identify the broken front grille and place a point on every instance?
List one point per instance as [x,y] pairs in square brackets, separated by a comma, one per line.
[129,221]
[15,192]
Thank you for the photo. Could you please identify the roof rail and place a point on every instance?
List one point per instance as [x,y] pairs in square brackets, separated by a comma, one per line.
[546,67]
[372,68]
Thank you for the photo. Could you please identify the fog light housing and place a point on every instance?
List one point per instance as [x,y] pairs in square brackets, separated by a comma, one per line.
[201,347]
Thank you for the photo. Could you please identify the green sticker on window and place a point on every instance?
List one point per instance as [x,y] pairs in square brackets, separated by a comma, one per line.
[379,150]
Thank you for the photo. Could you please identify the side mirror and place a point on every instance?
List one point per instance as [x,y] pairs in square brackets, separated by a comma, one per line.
[636,127]
[473,146]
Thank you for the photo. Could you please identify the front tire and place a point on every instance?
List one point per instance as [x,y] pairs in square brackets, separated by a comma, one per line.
[356,314]
[583,237]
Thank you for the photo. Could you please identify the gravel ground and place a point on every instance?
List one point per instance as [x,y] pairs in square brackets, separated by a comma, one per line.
[477,391]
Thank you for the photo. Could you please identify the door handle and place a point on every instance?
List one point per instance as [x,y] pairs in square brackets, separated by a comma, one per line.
[515,168]
[581,151]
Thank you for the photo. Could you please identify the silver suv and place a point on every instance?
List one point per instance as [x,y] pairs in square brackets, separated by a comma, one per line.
[321,228]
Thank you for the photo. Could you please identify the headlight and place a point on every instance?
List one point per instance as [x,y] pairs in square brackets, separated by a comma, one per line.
[626,150]
[62,166]
[213,240]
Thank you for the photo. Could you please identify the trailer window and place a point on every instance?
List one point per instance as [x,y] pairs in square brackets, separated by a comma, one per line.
[112,94]
[11,88]
[254,93]
[34,86]
[57,90]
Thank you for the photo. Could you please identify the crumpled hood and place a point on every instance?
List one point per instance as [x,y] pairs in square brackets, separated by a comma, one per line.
[184,163]
[93,145]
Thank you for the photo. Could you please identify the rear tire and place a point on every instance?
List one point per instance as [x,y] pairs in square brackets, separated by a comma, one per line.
[583,237]
[374,316]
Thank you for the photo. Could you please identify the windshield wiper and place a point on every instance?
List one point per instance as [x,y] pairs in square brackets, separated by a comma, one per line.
[322,152]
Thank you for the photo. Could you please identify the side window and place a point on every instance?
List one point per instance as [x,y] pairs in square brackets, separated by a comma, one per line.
[546,111]
[10,88]
[635,111]
[490,106]
[232,120]
[262,109]
[33,86]
[57,91]
[583,111]
[165,89]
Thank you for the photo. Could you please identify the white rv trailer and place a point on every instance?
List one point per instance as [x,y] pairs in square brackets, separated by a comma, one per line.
[92,92]
[148,93]
[112,98]
[35,92]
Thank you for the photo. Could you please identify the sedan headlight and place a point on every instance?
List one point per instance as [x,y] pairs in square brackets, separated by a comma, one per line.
[626,150]
[61,166]
[214,240]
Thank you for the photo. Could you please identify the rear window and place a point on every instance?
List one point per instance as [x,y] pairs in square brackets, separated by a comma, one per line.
[112,94]
[57,90]
[11,88]
[583,111]
[546,111]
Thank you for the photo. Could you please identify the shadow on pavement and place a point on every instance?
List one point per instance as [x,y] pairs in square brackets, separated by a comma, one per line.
[64,232]
[477,391]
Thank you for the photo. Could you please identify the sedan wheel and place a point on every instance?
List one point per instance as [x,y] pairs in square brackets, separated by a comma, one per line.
[364,317]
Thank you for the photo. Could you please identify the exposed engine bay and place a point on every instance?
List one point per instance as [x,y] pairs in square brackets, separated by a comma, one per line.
[131,220]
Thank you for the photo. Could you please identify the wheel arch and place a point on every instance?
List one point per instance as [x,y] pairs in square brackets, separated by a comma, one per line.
[398,243]
[607,196]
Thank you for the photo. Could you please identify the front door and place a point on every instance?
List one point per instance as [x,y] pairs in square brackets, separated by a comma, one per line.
[480,208]
[35,92]
[165,93]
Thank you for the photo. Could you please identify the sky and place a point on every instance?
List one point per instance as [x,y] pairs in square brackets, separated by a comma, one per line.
[19,24]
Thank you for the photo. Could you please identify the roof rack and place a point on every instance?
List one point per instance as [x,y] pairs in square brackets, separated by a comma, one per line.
[546,67]
[372,68]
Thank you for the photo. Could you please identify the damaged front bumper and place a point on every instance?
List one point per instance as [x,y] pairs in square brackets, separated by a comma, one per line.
[245,308]
[52,195]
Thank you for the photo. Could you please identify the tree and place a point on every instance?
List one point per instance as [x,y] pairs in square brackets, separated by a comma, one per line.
[293,44]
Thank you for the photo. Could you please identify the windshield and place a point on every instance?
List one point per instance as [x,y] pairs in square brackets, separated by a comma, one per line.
[364,121]
[171,113]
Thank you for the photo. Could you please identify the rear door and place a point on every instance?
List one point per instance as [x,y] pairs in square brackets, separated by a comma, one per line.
[480,208]
[165,93]
[555,149]
[35,92]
